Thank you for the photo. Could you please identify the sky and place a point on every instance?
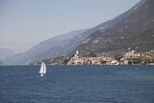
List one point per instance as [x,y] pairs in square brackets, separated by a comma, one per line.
[25,23]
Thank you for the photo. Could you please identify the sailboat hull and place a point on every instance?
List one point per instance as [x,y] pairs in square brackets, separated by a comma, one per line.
[41,75]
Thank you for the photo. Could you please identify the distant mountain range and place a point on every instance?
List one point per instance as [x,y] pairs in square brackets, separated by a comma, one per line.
[1,63]
[56,46]
[5,53]
[132,30]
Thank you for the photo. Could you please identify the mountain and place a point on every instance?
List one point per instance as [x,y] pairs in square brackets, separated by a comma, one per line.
[69,45]
[133,30]
[47,48]
[5,52]
[80,42]
[1,63]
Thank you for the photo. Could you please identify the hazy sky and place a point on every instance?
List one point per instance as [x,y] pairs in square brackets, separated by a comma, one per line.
[25,23]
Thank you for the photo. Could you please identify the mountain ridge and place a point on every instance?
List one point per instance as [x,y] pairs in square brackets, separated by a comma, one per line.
[133,32]
[31,55]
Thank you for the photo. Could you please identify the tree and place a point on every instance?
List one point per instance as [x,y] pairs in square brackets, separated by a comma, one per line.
[118,57]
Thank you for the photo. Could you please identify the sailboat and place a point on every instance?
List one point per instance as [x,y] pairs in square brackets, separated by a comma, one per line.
[43,69]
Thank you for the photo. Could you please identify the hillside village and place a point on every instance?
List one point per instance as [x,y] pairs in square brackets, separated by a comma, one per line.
[130,57]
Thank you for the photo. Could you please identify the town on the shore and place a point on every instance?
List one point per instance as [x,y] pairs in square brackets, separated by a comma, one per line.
[129,58]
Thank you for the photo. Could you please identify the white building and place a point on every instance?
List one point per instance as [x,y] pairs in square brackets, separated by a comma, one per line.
[76,54]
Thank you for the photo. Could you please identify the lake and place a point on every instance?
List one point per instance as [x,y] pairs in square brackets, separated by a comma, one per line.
[77,84]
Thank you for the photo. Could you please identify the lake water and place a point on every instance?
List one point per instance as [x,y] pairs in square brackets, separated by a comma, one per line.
[77,84]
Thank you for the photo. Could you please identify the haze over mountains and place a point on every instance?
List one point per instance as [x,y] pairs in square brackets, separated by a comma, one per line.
[132,30]
[39,52]
[5,53]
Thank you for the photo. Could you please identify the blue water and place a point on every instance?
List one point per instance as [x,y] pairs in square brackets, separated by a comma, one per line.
[77,84]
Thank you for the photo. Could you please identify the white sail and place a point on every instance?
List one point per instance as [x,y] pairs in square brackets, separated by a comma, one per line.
[45,69]
[42,69]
